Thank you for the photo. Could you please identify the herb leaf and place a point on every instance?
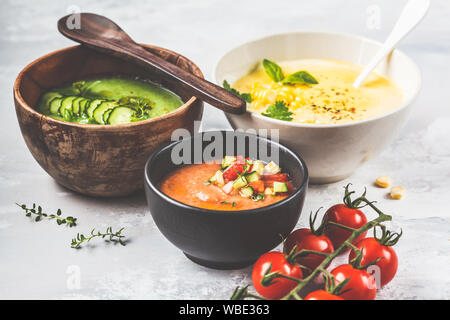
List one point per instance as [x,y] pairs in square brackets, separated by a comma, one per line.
[278,111]
[299,77]
[244,96]
[115,237]
[70,221]
[273,70]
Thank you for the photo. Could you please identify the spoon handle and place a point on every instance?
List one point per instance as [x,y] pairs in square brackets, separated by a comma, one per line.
[109,38]
[411,15]
[204,90]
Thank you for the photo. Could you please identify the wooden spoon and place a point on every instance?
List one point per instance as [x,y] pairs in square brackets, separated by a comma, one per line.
[102,34]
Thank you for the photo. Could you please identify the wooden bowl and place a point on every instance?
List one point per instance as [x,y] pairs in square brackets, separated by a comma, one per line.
[96,160]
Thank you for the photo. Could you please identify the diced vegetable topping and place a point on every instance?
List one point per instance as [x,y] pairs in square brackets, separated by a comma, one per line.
[272,168]
[246,192]
[258,167]
[217,178]
[228,187]
[279,187]
[240,182]
[228,161]
[254,176]
[252,179]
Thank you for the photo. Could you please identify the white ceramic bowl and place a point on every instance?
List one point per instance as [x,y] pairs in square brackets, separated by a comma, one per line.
[332,152]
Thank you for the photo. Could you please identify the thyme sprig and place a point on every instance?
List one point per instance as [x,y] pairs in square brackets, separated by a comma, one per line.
[40,214]
[115,237]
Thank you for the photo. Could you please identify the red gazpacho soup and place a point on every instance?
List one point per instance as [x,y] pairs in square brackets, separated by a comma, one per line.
[236,184]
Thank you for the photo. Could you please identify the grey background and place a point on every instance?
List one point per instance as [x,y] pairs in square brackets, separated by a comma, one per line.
[36,261]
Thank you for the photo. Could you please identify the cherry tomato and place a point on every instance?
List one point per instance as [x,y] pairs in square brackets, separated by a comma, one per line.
[278,263]
[349,217]
[372,250]
[361,286]
[306,239]
[322,295]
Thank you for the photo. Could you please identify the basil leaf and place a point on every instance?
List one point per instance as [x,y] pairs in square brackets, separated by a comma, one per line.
[273,70]
[301,77]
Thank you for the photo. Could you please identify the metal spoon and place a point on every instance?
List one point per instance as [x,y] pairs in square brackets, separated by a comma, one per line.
[412,14]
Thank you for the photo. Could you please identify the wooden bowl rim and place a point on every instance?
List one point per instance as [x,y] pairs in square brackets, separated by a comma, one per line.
[24,105]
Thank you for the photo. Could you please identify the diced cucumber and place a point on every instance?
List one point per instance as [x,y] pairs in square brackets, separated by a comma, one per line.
[66,104]
[101,109]
[239,182]
[228,161]
[217,178]
[246,192]
[83,104]
[91,107]
[252,177]
[121,115]
[76,105]
[55,104]
[279,187]
[272,168]
[258,167]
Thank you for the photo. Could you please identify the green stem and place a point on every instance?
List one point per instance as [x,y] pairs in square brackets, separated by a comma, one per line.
[340,226]
[355,234]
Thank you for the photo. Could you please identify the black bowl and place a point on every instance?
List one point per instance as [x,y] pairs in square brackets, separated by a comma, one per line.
[224,239]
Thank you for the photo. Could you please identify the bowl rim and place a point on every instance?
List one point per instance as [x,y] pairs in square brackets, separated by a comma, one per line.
[301,188]
[24,105]
[404,104]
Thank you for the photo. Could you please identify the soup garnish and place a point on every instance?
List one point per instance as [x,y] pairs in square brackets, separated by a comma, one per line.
[235,184]
[108,101]
[316,91]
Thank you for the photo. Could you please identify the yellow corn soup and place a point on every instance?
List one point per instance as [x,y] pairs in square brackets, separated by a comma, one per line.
[332,100]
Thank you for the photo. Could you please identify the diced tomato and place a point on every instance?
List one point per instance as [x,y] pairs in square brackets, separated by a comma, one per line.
[258,186]
[233,171]
[280,177]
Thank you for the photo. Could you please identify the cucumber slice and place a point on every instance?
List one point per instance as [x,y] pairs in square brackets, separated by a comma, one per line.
[246,192]
[76,105]
[279,187]
[83,105]
[239,182]
[66,104]
[55,104]
[91,107]
[121,115]
[101,109]
[47,99]
[106,115]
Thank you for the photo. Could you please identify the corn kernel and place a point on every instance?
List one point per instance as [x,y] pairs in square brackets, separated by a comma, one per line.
[383,181]
[397,192]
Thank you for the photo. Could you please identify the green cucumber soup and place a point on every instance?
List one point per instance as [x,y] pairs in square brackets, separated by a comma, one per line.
[108,100]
